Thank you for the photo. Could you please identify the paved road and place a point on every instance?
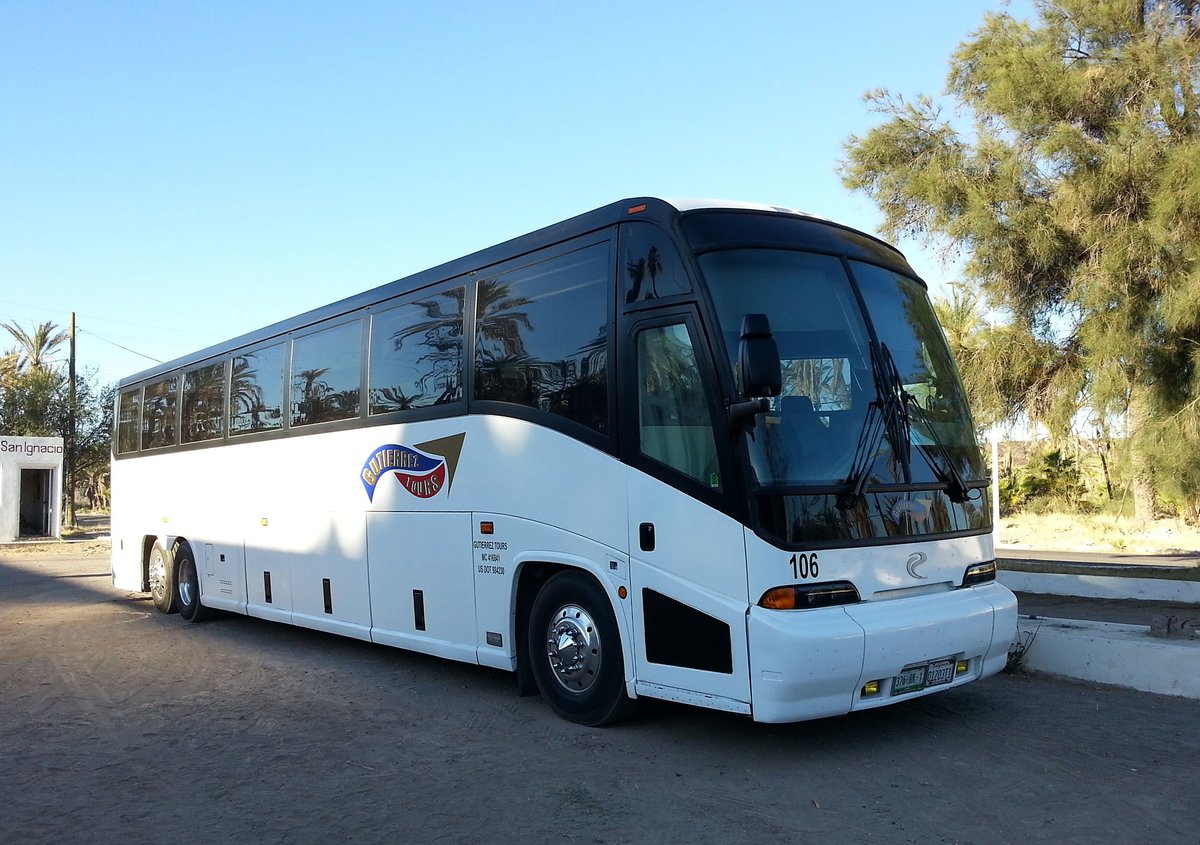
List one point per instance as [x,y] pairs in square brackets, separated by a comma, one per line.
[120,725]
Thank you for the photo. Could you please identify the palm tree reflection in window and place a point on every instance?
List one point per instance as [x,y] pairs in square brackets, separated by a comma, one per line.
[418,360]
[256,391]
[203,403]
[638,270]
[313,395]
[569,378]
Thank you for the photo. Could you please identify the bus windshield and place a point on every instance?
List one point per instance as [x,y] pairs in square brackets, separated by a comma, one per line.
[918,470]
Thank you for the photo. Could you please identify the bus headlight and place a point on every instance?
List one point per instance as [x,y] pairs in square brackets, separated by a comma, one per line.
[980,573]
[809,596]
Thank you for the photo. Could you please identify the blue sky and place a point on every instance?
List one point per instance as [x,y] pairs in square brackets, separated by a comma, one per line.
[180,173]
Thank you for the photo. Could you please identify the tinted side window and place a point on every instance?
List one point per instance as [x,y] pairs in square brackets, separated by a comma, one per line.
[203,403]
[159,413]
[542,337]
[674,423]
[326,374]
[417,354]
[128,421]
[650,264]
[256,391]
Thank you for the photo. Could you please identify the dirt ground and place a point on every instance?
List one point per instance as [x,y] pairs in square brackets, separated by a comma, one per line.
[123,725]
[1098,533]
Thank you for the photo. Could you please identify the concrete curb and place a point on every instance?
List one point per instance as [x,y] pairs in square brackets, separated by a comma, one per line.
[1100,586]
[1109,653]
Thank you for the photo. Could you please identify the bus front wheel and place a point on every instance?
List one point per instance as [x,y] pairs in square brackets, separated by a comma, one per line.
[575,651]
[187,585]
[161,571]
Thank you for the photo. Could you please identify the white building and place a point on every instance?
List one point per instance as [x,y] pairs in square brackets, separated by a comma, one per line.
[31,483]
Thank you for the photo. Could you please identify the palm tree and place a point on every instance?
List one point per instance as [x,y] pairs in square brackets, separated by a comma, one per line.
[8,365]
[35,347]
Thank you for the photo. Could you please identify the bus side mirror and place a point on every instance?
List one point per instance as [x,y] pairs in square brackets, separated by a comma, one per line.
[758,358]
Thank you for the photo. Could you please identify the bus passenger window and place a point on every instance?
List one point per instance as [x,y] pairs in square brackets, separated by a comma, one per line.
[203,403]
[128,421]
[158,414]
[541,337]
[326,375]
[256,391]
[674,424]
[417,354]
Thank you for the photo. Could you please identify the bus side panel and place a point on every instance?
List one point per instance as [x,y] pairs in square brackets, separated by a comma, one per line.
[270,544]
[329,574]
[223,575]
[515,543]
[422,587]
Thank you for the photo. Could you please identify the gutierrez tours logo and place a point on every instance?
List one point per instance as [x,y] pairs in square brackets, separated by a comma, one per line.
[423,469]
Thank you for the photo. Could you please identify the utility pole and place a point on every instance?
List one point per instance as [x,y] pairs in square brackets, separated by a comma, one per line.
[69,456]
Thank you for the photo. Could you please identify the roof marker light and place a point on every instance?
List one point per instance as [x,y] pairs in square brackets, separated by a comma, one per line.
[637,209]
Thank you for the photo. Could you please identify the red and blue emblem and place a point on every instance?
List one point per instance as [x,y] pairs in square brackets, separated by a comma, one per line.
[424,469]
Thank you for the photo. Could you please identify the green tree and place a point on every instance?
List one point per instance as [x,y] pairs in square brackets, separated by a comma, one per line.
[1074,200]
[35,398]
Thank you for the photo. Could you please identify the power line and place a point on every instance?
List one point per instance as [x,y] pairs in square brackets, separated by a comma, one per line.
[141,354]
[94,318]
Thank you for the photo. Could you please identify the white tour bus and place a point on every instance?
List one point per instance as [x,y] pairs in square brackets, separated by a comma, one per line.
[715,453]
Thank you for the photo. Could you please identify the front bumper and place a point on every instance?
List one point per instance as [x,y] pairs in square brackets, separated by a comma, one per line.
[808,664]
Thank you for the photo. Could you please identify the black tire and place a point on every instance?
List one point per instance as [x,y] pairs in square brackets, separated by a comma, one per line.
[575,651]
[187,586]
[161,575]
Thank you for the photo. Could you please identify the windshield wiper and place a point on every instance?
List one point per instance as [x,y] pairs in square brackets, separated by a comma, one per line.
[956,486]
[888,412]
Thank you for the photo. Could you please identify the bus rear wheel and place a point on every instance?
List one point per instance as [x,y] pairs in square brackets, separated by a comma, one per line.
[161,572]
[187,585]
[575,651]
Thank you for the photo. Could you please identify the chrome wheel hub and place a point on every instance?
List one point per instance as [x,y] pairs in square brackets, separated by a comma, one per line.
[185,585]
[158,576]
[573,647]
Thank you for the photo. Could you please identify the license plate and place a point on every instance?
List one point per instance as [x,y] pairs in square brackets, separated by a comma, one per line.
[921,677]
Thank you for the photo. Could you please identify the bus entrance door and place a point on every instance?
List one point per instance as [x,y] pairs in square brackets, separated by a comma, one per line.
[689,588]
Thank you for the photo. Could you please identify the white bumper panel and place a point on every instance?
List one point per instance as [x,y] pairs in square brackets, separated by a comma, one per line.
[812,664]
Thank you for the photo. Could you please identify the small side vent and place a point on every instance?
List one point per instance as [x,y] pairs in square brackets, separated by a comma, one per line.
[328,595]
[267,587]
[419,609]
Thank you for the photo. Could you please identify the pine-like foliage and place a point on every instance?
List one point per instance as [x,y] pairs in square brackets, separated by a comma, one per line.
[1074,196]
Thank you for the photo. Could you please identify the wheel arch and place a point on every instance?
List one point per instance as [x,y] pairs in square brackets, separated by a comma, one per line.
[533,570]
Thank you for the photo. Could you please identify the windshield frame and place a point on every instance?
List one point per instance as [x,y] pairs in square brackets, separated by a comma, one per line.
[929,487]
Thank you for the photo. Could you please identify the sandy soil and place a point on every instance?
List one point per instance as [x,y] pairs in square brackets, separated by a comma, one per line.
[1096,533]
[122,725]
